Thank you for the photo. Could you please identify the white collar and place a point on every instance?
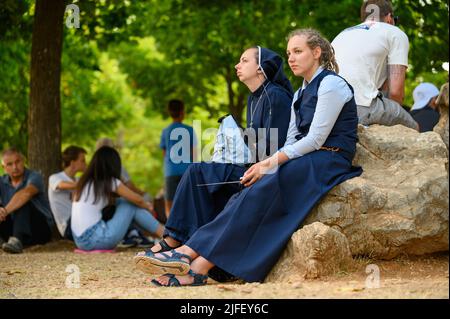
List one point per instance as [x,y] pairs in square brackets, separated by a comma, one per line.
[305,83]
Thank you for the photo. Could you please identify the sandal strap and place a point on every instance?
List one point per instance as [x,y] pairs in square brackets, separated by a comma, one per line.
[198,278]
[175,255]
[165,255]
[173,281]
[164,245]
[178,255]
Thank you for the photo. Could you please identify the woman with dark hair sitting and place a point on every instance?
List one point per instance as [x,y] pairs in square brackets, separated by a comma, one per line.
[97,189]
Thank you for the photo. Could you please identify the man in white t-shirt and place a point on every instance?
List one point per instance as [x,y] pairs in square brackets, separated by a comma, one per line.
[62,184]
[373,58]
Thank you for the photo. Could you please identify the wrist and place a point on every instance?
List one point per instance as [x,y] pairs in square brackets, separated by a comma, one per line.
[282,158]
[272,161]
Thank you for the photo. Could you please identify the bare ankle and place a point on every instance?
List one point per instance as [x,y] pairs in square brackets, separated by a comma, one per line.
[171,242]
[199,269]
[201,266]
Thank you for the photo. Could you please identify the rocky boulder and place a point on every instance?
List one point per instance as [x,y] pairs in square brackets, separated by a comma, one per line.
[400,203]
[313,251]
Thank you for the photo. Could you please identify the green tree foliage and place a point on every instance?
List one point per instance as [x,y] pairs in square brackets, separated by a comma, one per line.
[16,20]
[14,88]
[15,47]
[426,24]
[95,95]
[128,58]
[203,42]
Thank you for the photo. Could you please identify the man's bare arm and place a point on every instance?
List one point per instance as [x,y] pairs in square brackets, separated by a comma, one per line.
[64,185]
[396,82]
[134,188]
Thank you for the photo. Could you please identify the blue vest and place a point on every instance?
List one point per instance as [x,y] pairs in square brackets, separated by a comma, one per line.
[344,133]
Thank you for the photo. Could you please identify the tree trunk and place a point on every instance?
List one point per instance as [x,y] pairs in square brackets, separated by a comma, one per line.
[44,114]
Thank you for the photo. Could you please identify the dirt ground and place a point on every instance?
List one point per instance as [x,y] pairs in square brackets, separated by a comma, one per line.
[55,271]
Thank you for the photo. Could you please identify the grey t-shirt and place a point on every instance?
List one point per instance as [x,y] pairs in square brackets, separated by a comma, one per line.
[60,200]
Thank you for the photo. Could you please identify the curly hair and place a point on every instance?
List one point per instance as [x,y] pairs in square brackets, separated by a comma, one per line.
[314,39]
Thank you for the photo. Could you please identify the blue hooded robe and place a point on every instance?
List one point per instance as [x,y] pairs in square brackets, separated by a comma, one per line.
[195,206]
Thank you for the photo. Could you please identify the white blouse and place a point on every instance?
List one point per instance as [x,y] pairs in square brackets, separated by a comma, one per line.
[333,93]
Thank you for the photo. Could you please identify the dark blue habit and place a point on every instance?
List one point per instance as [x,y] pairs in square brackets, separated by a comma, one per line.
[247,238]
[195,206]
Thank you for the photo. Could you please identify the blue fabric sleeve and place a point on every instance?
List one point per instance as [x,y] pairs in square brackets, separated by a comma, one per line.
[162,143]
[36,180]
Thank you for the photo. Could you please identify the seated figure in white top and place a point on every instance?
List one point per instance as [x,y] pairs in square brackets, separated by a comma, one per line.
[97,188]
[61,186]
[373,58]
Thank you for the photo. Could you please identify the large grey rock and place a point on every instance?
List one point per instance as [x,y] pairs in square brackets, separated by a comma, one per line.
[313,251]
[400,203]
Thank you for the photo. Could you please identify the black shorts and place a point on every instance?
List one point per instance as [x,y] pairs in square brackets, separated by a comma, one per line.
[171,185]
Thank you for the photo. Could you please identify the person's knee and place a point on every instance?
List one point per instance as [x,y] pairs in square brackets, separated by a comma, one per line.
[24,212]
[413,124]
[125,206]
[403,117]
[121,202]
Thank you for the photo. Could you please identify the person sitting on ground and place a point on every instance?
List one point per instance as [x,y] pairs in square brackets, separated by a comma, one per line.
[124,175]
[25,215]
[134,236]
[61,185]
[175,164]
[425,110]
[373,58]
[96,189]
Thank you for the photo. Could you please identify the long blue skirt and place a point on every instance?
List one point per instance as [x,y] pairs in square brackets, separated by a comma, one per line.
[194,206]
[247,238]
